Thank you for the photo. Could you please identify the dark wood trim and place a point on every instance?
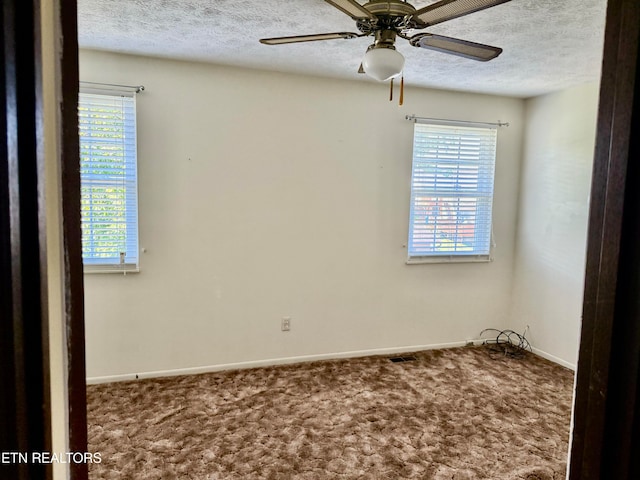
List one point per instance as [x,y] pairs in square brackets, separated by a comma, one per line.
[70,171]
[24,376]
[607,377]
[24,320]
[74,282]
[8,428]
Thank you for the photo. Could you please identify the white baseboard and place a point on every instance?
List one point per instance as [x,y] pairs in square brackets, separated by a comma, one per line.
[554,359]
[269,362]
[300,359]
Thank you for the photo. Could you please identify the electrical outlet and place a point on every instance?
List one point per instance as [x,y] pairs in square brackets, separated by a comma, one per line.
[286,324]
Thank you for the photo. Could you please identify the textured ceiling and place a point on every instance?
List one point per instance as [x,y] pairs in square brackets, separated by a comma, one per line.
[548,44]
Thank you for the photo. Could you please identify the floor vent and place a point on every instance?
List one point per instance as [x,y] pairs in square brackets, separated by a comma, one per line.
[410,358]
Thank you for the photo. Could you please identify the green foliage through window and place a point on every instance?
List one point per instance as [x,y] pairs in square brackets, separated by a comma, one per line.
[108,181]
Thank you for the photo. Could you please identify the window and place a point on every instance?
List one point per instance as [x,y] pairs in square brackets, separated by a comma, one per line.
[451,193]
[109,198]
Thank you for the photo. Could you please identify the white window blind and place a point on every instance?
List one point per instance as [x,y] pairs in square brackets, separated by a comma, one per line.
[451,193]
[108,174]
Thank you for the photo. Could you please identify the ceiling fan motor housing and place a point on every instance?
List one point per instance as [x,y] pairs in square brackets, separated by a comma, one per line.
[390,14]
[394,8]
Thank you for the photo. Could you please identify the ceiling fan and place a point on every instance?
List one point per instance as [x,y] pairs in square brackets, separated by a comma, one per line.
[388,19]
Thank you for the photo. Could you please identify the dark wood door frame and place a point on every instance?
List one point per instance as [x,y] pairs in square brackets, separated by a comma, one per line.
[24,376]
[606,435]
[71,233]
[25,403]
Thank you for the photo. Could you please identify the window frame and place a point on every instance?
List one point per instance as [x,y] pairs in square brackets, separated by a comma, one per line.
[448,256]
[133,266]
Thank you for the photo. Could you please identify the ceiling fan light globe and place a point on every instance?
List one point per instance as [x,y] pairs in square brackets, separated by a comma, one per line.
[383,63]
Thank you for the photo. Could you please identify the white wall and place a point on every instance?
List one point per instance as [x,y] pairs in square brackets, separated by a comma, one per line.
[552,227]
[265,195]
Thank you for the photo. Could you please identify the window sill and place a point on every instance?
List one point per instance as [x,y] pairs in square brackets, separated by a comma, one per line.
[450,259]
[123,269]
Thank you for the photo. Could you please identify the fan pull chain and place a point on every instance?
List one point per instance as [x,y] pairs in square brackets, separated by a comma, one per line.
[401,100]
[391,90]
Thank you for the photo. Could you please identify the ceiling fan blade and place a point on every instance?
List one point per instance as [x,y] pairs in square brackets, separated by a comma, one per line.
[455,46]
[448,9]
[307,38]
[353,9]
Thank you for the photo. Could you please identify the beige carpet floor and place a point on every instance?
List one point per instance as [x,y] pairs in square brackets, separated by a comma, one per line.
[457,414]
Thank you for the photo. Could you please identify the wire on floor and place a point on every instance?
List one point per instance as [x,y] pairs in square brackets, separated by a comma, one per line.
[507,342]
